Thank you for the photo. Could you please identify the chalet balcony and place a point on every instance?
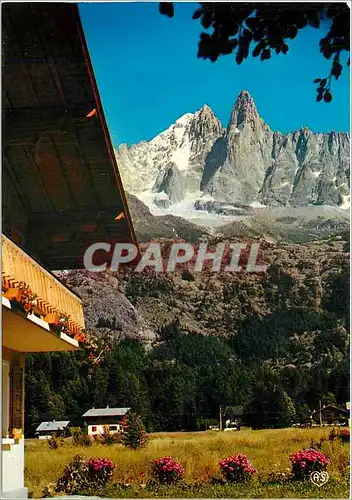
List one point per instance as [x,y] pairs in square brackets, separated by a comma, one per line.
[34,294]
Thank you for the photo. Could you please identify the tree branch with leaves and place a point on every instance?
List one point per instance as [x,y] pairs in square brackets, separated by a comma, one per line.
[265,28]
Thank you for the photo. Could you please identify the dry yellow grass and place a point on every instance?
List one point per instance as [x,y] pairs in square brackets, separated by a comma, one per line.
[199,453]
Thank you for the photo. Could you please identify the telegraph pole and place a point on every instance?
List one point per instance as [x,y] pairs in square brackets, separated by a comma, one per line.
[320,413]
[220,419]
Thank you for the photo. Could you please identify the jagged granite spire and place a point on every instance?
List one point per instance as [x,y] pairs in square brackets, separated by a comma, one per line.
[244,111]
[205,124]
[239,174]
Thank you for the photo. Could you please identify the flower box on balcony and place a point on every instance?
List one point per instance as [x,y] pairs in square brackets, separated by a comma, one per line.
[14,294]
[52,319]
[18,308]
[36,309]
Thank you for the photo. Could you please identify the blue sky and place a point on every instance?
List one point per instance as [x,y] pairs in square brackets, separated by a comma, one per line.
[148,74]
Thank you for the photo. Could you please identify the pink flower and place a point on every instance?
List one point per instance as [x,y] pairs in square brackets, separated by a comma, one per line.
[167,470]
[237,468]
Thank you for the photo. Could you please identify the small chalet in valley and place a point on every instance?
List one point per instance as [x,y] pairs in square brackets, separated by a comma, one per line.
[61,192]
[46,429]
[97,418]
[331,415]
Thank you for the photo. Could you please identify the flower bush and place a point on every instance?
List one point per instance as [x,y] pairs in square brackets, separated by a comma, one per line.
[28,298]
[74,479]
[341,434]
[80,437]
[333,435]
[54,442]
[100,471]
[85,475]
[49,491]
[166,470]
[344,435]
[305,462]
[24,297]
[95,348]
[237,469]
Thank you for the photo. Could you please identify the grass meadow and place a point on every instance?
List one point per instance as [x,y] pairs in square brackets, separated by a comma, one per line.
[200,453]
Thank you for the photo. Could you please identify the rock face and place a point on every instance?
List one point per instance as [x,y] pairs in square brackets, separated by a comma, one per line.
[245,163]
[308,168]
[150,228]
[106,308]
[247,142]
[172,162]
[170,182]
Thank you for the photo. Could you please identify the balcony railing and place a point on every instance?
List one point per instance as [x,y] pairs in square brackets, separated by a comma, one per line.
[52,297]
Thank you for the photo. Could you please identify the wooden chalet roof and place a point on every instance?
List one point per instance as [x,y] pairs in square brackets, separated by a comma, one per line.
[106,412]
[331,408]
[61,187]
[55,425]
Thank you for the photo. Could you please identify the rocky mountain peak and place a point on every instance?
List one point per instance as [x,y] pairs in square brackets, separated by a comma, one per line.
[244,96]
[205,123]
[206,111]
[243,164]
[244,110]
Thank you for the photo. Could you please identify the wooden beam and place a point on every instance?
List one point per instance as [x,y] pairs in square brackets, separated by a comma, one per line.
[27,124]
[69,255]
[74,235]
[88,216]
[47,114]
[104,126]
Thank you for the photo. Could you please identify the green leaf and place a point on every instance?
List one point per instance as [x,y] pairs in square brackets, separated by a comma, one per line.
[292,32]
[252,23]
[207,20]
[166,9]
[247,34]
[257,49]
[197,14]
[233,43]
[239,58]
[327,96]
[336,70]
[266,54]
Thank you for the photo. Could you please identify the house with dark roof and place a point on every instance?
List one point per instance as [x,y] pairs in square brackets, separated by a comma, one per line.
[96,419]
[331,415]
[46,429]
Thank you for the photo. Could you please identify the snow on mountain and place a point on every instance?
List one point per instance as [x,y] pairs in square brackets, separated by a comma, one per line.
[196,163]
[175,156]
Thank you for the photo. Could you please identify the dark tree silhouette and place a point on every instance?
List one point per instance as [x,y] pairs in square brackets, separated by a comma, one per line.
[265,28]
